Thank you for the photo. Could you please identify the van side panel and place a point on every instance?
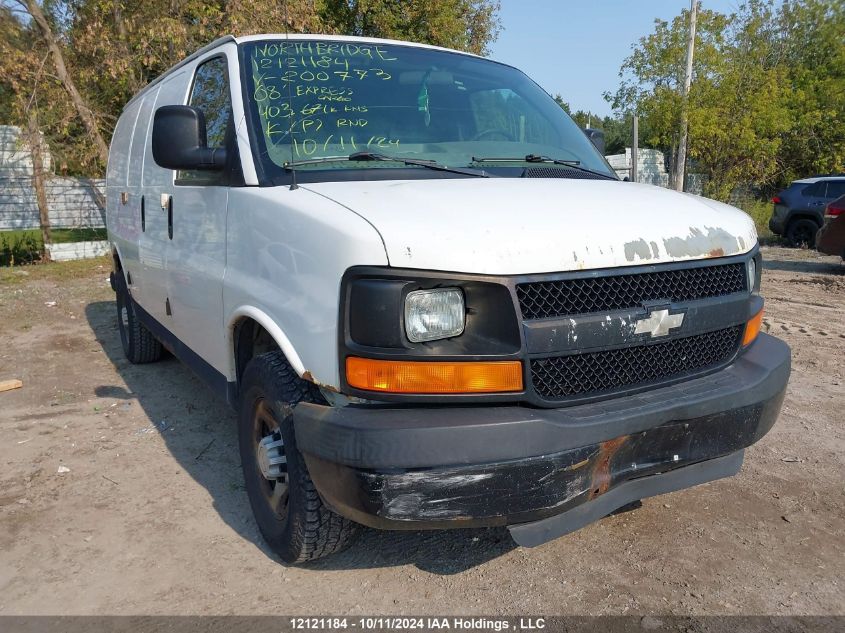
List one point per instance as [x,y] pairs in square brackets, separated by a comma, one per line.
[156,187]
[286,253]
[196,255]
[120,229]
[132,210]
[118,167]
[141,139]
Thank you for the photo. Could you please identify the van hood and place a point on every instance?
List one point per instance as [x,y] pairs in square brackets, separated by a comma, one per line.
[511,226]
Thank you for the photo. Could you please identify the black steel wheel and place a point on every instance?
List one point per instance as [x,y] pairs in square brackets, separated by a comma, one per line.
[290,514]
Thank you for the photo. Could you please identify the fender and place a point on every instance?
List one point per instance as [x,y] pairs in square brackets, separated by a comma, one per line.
[272,328]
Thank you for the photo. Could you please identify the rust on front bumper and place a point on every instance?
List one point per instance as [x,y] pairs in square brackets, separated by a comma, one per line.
[525,490]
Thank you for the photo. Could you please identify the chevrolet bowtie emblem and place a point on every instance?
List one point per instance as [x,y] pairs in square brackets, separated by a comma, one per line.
[658,323]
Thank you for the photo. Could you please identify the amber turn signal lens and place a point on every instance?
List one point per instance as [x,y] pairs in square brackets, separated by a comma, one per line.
[391,376]
[752,328]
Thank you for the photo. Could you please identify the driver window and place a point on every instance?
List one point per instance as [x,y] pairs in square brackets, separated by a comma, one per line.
[210,94]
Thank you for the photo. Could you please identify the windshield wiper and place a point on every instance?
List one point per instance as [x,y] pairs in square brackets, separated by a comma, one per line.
[530,158]
[314,161]
[365,156]
[535,158]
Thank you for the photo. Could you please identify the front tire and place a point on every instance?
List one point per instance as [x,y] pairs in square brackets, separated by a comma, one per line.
[290,514]
[139,344]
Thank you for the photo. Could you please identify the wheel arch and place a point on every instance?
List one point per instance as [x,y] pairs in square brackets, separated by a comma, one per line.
[117,266]
[250,330]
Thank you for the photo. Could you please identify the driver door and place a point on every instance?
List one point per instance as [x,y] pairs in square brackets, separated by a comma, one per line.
[196,250]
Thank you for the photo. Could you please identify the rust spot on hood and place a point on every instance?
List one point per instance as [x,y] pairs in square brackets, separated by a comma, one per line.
[601,474]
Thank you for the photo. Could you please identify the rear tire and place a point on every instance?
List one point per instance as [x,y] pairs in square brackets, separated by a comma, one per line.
[139,344]
[800,232]
[290,514]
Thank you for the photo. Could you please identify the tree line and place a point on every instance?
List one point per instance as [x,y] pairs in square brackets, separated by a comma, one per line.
[767,100]
[67,67]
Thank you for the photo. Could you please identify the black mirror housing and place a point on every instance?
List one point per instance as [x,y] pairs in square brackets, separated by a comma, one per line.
[179,140]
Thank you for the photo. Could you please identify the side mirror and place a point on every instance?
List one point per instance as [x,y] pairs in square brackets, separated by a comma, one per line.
[597,137]
[179,140]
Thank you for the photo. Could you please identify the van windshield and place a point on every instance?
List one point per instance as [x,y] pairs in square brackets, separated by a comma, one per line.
[312,104]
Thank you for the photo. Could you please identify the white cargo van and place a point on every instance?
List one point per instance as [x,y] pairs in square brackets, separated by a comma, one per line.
[431,301]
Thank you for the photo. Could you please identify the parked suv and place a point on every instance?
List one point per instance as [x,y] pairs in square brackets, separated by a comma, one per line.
[799,209]
[427,295]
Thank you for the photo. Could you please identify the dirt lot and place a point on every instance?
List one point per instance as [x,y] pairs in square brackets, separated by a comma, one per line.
[121,492]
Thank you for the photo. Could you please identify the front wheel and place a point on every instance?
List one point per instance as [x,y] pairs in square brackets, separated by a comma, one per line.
[290,514]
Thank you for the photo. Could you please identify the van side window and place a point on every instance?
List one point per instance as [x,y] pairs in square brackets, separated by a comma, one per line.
[210,94]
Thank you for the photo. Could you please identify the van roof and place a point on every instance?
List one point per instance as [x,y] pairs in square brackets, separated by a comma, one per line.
[292,36]
[345,38]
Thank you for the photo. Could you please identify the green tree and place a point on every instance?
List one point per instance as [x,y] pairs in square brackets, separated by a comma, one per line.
[28,84]
[113,48]
[653,74]
[468,25]
[740,112]
[767,101]
[812,53]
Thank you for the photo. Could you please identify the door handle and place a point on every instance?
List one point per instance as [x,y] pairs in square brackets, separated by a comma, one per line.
[143,216]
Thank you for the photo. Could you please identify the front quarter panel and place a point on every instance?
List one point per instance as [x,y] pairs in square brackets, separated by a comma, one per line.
[286,253]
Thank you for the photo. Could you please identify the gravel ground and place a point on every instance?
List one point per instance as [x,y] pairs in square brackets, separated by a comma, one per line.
[121,492]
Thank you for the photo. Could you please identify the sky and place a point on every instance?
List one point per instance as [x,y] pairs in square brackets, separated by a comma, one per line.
[576,48]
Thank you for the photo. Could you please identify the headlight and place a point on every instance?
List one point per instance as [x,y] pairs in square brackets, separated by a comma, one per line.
[434,314]
[752,275]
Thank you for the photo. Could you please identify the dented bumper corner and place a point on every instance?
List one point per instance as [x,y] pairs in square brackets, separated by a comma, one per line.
[543,472]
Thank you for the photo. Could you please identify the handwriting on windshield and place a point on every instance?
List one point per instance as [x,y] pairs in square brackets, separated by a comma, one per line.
[316,96]
[346,50]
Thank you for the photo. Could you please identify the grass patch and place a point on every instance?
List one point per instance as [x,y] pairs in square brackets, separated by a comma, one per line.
[20,247]
[60,236]
[57,271]
[64,236]
[25,247]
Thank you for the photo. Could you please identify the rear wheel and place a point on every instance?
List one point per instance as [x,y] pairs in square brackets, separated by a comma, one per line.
[290,514]
[139,344]
[801,232]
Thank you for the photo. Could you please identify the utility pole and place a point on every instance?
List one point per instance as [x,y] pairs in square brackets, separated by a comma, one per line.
[635,150]
[681,160]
